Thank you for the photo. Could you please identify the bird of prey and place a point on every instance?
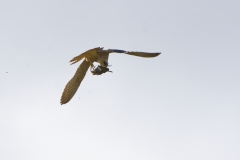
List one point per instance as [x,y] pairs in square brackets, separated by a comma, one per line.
[100,56]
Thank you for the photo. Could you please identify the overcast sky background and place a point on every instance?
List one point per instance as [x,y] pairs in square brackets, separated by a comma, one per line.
[181,105]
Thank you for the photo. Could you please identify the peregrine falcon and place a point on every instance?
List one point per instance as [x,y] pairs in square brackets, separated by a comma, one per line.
[100,56]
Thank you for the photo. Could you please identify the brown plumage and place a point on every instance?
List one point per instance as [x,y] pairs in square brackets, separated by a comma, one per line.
[74,83]
[90,56]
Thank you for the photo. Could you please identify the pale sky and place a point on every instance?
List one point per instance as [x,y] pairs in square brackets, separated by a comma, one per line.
[181,105]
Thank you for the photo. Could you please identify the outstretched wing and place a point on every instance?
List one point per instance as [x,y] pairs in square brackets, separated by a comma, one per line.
[139,54]
[72,86]
[143,54]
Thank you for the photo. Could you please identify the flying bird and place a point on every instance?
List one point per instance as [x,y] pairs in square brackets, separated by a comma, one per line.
[100,56]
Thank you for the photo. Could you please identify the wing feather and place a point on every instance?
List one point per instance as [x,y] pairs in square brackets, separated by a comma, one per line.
[133,53]
[143,54]
[72,86]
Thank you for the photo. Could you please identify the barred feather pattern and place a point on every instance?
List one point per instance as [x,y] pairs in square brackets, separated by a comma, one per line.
[72,86]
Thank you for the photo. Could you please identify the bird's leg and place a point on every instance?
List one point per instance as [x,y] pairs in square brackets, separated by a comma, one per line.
[105,63]
[92,67]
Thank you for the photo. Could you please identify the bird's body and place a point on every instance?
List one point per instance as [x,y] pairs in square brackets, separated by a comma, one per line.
[93,55]
[90,56]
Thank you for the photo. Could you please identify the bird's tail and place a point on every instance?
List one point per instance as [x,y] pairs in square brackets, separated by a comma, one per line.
[77,58]
[88,54]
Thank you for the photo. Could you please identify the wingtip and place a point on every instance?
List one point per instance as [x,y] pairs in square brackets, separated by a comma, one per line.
[61,102]
[157,54]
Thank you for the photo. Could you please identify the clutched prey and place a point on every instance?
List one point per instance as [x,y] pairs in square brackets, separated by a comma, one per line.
[100,70]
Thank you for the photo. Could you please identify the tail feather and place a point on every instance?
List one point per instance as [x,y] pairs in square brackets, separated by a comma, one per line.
[77,58]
